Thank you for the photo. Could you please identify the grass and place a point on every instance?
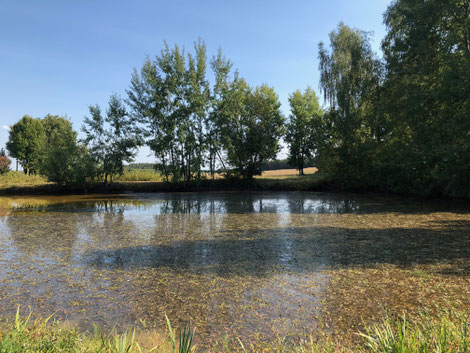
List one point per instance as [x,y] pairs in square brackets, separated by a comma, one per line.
[139,175]
[147,180]
[448,333]
[20,178]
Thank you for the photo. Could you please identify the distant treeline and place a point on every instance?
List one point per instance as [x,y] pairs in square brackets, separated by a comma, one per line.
[284,164]
[269,165]
[400,123]
[140,166]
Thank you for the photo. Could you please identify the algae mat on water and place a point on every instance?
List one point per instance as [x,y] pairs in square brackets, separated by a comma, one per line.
[253,265]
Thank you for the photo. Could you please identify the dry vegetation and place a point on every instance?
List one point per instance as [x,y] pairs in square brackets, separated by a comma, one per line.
[21,179]
[286,173]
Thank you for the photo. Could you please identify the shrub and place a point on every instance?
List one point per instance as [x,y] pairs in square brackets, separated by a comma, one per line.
[4,164]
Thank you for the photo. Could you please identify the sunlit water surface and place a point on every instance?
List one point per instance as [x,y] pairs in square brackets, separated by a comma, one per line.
[248,265]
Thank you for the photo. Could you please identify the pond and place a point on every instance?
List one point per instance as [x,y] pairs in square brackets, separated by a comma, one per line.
[248,265]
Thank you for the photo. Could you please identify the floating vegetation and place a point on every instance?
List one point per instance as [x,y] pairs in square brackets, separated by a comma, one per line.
[249,266]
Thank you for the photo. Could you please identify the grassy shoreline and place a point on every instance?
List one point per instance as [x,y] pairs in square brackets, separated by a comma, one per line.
[145,181]
[305,183]
[449,332]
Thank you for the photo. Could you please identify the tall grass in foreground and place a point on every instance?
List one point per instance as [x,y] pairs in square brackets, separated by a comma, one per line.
[402,335]
[20,178]
[445,334]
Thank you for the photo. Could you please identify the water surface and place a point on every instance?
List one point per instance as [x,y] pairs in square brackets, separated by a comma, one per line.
[251,265]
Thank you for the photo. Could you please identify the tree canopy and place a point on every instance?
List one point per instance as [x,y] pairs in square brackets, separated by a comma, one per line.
[25,141]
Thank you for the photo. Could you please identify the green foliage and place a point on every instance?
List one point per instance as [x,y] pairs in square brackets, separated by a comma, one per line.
[4,164]
[170,97]
[189,124]
[221,67]
[447,334]
[25,142]
[351,79]
[251,128]
[140,166]
[411,336]
[134,174]
[427,53]
[63,160]
[185,339]
[305,129]
[111,140]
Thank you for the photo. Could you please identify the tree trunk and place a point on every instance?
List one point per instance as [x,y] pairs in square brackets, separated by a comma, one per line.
[223,164]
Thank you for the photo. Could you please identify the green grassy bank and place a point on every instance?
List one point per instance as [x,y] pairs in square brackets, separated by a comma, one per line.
[444,334]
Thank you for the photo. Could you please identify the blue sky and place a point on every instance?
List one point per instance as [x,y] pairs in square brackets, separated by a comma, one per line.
[59,57]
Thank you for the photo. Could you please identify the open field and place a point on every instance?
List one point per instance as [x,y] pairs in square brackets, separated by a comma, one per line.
[286,173]
[21,179]
[139,175]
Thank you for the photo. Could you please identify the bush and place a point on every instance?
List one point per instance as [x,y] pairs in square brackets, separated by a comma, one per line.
[4,164]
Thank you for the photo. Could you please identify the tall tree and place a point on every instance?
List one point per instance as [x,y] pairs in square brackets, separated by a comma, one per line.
[221,68]
[25,141]
[427,51]
[112,139]
[304,128]
[350,78]
[170,97]
[198,96]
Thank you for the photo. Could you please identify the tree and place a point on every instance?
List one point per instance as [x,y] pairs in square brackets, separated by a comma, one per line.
[4,162]
[25,141]
[350,79]
[170,97]
[64,161]
[111,140]
[252,127]
[221,68]
[55,123]
[198,97]
[427,52]
[304,129]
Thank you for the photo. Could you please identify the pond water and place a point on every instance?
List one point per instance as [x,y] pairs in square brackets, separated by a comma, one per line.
[248,265]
